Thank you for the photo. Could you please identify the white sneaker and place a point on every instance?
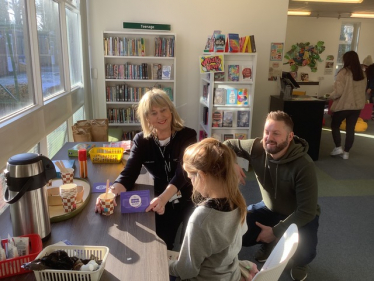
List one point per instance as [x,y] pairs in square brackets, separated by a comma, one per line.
[337,151]
[345,155]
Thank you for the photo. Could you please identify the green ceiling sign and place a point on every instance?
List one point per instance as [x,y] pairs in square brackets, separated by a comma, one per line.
[146,26]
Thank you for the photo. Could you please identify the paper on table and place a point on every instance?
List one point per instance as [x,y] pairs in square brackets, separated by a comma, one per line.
[99,187]
[173,255]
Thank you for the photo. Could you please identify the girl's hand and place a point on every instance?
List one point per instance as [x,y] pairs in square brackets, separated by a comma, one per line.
[252,272]
[157,205]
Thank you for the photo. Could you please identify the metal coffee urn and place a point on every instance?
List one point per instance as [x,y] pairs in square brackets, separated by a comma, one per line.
[26,176]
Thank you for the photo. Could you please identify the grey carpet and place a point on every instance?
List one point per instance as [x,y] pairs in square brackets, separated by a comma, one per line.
[345,248]
[360,164]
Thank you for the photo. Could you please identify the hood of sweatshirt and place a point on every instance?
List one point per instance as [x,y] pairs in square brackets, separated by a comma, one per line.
[298,148]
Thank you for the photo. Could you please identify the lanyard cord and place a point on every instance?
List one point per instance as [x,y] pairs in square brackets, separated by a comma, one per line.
[162,151]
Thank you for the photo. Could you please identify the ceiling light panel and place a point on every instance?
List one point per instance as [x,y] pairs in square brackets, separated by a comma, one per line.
[298,13]
[331,1]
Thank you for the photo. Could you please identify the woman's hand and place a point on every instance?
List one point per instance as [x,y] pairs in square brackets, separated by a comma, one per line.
[157,205]
[116,189]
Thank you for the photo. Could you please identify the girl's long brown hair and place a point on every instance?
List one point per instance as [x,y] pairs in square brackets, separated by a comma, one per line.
[352,63]
[218,161]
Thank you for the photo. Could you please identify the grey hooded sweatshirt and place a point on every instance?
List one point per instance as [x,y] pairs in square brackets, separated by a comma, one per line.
[288,185]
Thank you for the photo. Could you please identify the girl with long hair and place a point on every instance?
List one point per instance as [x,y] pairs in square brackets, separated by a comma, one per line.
[214,232]
[348,100]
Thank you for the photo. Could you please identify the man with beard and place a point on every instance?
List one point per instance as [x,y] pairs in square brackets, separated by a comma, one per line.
[288,183]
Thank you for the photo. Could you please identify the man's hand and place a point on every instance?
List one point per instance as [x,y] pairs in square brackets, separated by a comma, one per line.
[116,188]
[266,235]
[240,173]
[157,205]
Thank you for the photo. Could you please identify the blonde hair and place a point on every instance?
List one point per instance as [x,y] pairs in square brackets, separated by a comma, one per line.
[217,160]
[156,98]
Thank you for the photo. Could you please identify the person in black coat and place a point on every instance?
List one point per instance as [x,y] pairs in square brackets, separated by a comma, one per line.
[160,148]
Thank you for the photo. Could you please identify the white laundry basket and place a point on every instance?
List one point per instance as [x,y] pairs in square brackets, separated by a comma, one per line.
[82,252]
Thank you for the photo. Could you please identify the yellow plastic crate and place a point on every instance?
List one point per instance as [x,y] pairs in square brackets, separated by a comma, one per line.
[106,154]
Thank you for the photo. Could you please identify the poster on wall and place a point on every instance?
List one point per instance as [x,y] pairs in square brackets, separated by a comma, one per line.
[276,56]
[329,68]
[329,65]
[275,70]
[276,52]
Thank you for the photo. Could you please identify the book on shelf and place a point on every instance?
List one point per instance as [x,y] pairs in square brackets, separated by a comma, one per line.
[248,48]
[219,96]
[213,39]
[228,137]
[245,41]
[205,92]
[253,43]
[233,72]
[73,151]
[231,96]
[247,72]
[205,115]
[233,43]
[157,71]
[242,98]
[227,118]
[243,119]
[219,76]
[241,136]
[166,72]
[169,92]
[217,118]
[207,45]
[219,43]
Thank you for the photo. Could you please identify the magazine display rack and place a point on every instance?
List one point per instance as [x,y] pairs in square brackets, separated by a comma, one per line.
[134,63]
[226,99]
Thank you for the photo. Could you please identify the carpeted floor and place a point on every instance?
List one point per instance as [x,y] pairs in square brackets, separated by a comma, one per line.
[346,197]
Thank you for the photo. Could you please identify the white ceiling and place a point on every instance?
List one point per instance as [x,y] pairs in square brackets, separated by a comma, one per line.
[332,10]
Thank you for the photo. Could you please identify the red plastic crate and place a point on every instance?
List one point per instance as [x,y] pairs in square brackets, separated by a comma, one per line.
[11,267]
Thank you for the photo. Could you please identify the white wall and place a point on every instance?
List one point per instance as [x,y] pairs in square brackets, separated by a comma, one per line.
[307,29]
[192,21]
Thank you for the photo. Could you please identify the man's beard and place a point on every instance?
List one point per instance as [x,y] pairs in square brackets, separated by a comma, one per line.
[275,149]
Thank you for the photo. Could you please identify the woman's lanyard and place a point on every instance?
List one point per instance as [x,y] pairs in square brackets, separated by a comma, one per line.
[162,151]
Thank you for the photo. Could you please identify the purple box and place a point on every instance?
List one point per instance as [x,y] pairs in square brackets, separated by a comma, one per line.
[134,201]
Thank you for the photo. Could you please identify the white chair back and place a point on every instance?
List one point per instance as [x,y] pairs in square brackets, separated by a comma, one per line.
[279,257]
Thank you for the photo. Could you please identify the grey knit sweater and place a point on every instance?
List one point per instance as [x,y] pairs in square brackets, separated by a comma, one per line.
[210,247]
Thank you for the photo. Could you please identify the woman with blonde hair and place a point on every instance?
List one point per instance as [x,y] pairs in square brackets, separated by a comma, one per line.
[214,232]
[159,148]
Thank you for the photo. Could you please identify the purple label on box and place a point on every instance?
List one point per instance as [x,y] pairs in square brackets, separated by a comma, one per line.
[135,201]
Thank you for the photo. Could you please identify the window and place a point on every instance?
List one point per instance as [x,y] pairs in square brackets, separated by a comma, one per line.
[348,41]
[74,46]
[37,30]
[16,81]
[49,41]
[56,139]
[35,149]
[79,115]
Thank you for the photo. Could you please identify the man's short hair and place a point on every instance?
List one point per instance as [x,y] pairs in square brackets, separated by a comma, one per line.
[281,116]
